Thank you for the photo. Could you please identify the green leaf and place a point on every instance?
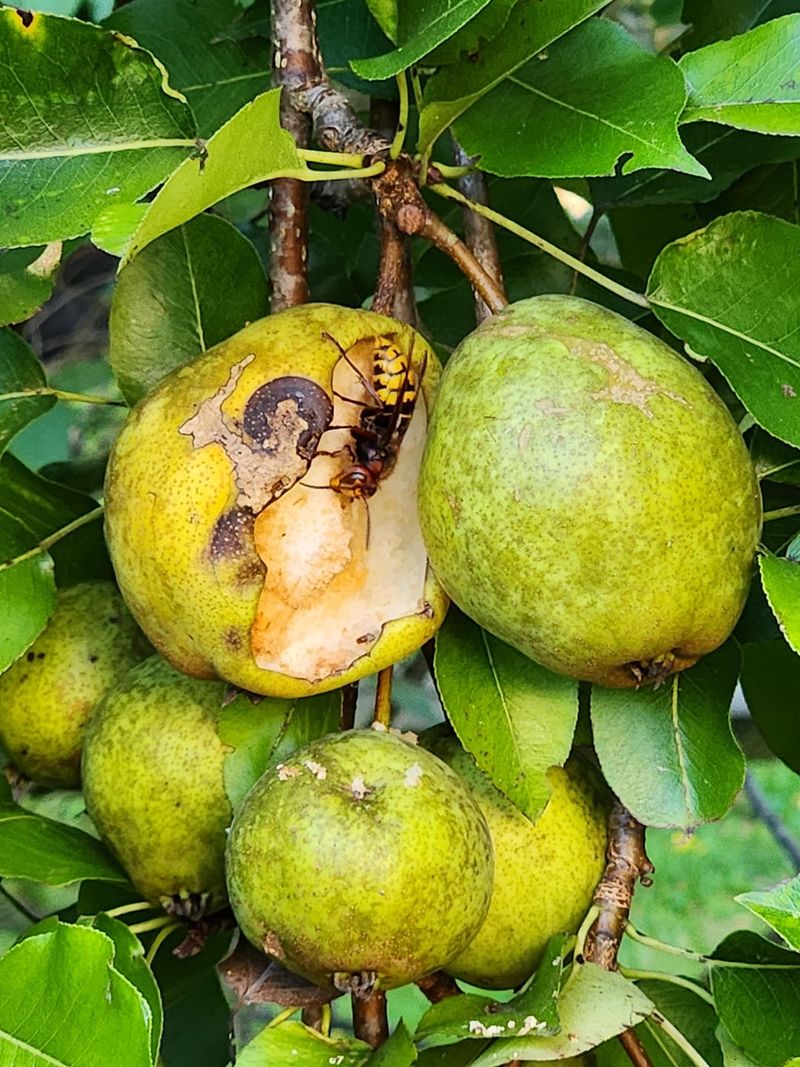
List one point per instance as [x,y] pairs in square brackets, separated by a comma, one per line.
[264,733]
[251,147]
[751,82]
[398,1051]
[422,25]
[19,370]
[347,31]
[732,1055]
[726,154]
[709,20]
[779,907]
[186,292]
[728,292]
[114,227]
[595,1006]
[217,76]
[532,26]
[516,718]
[669,753]
[292,1043]
[550,119]
[693,1016]
[90,1015]
[463,1054]
[51,852]
[769,188]
[67,148]
[771,682]
[475,1017]
[34,508]
[130,962]
[758,1005]
[781,581]
[26,280]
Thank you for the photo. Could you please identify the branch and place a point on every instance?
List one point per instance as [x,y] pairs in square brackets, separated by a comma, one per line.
[47,542]
[479,233]
[626,864]
[763,811]
[295,63]
[370,1022]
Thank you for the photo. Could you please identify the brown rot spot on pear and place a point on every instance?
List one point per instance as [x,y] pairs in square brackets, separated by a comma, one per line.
[232,536]
[270,449]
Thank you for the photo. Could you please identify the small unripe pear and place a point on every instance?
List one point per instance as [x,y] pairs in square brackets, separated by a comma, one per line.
[232,536]
[586,496]
[545,872]
[48,694]
[153,782]
[331,854]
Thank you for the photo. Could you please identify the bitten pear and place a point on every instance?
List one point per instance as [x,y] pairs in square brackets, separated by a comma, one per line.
[232,537]
[586,496]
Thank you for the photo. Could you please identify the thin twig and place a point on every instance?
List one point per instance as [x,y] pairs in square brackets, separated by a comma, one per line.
[392,272]
[312,1016]
[62,394]
[626,864]
[370,1022]
[479,235]
[347,717]
[764,811]
[295,63]
[420,220]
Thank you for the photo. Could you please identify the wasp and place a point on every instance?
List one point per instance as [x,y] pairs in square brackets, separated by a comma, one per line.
[384,419]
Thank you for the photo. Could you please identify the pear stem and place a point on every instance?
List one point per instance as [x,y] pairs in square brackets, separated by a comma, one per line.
[438,986]
[158,941]
[152,924]
[62,394]
[128,909]
[370,1021]
[383,698]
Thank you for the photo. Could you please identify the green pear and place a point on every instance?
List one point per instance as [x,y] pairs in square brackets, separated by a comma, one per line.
[545,871]
[48,694]
[153,783]
[586,496]
[231,545]
[330,851]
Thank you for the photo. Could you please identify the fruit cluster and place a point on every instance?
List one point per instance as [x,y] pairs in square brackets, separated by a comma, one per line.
[271,511]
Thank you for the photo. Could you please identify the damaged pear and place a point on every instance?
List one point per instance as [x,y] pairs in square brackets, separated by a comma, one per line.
[586,496]
[329,850]
[261,504]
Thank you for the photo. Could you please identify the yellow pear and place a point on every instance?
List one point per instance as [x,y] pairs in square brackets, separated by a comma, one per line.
[233,537]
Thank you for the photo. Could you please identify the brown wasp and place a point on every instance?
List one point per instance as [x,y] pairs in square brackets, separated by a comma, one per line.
[383,422]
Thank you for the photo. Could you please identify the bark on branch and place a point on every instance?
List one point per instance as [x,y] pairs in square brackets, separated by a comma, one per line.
[479,233]
[626,864]
[295,63]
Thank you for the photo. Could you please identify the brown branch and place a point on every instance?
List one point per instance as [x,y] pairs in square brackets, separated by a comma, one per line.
[312,1016]
[626,864]
[438,986]
[370,1022]
[392,273]
[295,63]
[420,220]
[479,235]
[347,718]
[396,191]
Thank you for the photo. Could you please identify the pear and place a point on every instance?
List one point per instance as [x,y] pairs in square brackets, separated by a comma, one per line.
[545,871]
[153,783]
[48,694]
[586,496]
[231,545]
[329,852]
